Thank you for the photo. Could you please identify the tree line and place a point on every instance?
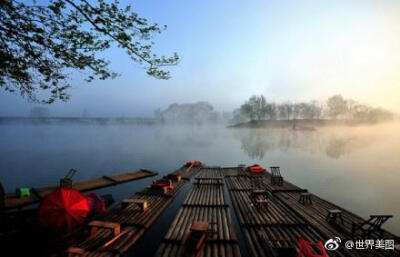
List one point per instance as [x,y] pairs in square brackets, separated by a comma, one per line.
[189,113]
[257,108]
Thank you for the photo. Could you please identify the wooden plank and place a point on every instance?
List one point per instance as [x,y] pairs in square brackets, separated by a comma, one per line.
[12,201]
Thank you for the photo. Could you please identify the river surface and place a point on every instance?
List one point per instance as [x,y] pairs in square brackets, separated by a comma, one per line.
[357,168]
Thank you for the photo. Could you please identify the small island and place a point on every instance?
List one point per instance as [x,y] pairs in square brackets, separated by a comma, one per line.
[257,112]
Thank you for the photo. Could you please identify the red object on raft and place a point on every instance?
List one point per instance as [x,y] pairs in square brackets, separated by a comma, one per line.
[164,183]
[311,249]
[193,163]
[63,209]
[96,203]
[256,168]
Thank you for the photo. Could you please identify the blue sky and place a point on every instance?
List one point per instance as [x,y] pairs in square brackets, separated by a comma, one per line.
[230,50]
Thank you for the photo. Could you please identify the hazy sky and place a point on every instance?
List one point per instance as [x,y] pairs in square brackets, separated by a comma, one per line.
[230,50]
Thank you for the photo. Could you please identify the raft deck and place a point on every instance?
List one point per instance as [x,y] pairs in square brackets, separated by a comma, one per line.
[205,202]
[270,229]
[121,227]
[225,197]
[275,229]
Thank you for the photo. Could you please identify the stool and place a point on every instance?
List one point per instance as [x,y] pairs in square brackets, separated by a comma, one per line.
[334,216]
[97,224]
[305,198]
[142,204]
[261,202]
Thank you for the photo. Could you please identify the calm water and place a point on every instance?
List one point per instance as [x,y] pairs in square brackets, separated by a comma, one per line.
[355,167]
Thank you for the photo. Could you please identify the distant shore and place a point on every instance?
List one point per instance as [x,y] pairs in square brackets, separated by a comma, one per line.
[299,124]
[76,120]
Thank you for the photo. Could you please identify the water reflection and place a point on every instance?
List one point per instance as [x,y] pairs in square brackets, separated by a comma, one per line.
[337,147]
[184,135]
[257,143]
[355,167]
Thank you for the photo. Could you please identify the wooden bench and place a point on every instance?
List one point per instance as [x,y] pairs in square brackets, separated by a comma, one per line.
[174,177]
[158,189]
[370,226]
[334,216]
[258,192]
[141,203]
[97,224]
[259,198]
[259,203]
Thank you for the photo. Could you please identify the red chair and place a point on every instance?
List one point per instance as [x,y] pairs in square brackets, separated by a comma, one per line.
[311,249]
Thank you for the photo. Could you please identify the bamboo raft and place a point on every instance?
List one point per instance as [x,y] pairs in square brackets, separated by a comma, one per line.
[254,215]
[12,201]
[270,231]
[114,233]
[205,202]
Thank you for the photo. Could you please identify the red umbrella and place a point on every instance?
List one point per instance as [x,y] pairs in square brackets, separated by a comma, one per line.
[63,208]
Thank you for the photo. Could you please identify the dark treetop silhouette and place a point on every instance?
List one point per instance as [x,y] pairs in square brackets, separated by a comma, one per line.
[41,43]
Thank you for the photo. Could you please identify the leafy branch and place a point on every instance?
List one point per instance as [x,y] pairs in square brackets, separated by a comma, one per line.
[40,45]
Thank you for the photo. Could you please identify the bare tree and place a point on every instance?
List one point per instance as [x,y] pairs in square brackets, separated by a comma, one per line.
[316,110]
[271,111]
[298,110]
[255,107]
[285,110]
[337,106]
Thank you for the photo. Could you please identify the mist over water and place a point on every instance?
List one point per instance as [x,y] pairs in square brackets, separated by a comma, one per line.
[356,167]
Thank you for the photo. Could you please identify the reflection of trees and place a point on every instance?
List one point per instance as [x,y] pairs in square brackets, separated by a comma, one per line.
[187,135]
[256,143]
[337,147]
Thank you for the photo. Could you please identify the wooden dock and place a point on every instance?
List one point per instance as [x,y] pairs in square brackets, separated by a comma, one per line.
[12,201]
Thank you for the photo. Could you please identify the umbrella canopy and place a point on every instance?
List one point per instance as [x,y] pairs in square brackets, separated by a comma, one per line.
[64,208]
[96,203]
